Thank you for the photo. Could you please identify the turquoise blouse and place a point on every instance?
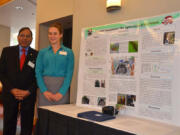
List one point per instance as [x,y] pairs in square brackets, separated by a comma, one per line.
[60,64]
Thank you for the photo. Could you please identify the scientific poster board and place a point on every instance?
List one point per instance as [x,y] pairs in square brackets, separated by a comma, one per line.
[134,63]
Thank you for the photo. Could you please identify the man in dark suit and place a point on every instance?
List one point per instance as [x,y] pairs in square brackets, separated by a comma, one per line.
[17,74]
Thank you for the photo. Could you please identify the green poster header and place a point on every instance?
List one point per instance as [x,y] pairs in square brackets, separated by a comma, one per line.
[140,24]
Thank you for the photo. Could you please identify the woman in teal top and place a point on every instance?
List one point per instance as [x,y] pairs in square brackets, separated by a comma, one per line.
[54,69]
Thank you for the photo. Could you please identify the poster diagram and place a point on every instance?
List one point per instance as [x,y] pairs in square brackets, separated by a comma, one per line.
[134,64]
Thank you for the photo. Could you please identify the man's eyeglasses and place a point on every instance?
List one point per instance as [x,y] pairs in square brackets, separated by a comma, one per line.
[23,36]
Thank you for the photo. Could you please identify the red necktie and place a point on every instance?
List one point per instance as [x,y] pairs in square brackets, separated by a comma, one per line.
[23,57]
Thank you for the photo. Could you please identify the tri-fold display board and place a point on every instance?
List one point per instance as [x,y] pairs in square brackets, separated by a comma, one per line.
[136,64]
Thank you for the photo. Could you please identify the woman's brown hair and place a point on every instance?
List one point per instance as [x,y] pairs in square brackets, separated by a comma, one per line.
[58,26]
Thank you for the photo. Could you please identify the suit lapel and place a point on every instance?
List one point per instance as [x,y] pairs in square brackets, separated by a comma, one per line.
[29,57]
[17,57]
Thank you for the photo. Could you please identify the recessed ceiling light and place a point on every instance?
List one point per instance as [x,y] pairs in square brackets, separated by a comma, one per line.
[19,8]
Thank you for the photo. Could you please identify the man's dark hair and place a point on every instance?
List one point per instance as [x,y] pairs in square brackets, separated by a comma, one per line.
[25,28]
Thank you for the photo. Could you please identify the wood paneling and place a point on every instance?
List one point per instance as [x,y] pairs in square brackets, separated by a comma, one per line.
[3,2]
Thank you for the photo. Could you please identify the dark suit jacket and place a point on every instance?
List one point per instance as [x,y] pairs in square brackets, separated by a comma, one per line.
[11,76]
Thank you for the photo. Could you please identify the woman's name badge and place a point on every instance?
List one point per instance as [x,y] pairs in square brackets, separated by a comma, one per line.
[62,52]
[31,64]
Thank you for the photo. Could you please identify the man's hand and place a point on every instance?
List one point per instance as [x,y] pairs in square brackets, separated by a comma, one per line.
[20,94]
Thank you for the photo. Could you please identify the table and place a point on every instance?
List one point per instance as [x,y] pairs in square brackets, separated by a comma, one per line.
[63,120]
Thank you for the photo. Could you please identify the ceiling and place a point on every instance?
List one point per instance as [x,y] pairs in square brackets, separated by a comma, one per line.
[18,13]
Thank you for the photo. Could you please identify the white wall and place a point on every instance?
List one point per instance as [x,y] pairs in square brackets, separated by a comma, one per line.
[4,37]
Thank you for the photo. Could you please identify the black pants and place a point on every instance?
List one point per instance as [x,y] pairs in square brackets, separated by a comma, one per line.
[10,116]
